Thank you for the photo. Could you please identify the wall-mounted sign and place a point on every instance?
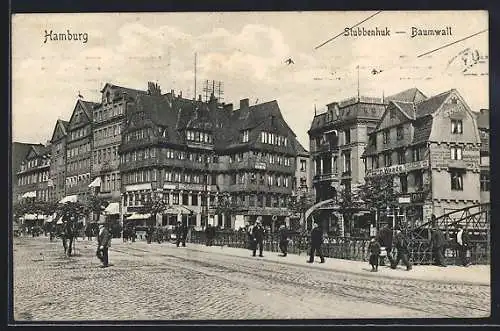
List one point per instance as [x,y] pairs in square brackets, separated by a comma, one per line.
[397,169]
[404,199]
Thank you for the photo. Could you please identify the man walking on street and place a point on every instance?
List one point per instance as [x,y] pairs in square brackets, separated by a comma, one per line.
[437,244]
[401,243]
[283,233]
[316,242]
[103,243]
[258,237]
[384,237]
[180,234]
[463,245]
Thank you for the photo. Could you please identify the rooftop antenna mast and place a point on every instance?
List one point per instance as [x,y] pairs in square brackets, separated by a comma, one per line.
[195,63]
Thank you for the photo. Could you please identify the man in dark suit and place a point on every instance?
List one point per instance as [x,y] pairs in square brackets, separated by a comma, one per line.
[384,237]
[316,242]
[258,237]
[437,243]
[401,244]
[463,245]
[283,233]
[103,243]
[181,234]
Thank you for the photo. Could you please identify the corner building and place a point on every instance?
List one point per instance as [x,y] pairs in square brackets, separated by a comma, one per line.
[190,153]
[431,149]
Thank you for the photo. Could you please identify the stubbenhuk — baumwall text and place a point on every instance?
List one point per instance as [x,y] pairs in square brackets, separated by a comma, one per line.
[67,36]
[363,32]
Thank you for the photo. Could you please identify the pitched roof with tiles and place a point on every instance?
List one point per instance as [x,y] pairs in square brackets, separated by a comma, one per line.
[88,107]
[411,95]
[407,108]
[430,105]
[19,153]
[422,129]
[129,91]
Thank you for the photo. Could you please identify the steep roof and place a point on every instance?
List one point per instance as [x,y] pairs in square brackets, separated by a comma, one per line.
[410,95]
[19,153]
[430,105]
[407,108]
[130,92]
[88,107]
[300,149]
[318,121]
[422,129]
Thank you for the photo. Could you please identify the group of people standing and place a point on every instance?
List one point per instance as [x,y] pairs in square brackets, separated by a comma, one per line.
[387,239]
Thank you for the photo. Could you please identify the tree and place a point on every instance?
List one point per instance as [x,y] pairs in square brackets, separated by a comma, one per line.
[95,205]
[378,192]
[154,206]
[298,205]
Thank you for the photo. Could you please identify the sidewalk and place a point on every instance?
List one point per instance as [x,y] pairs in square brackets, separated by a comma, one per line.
[473,275]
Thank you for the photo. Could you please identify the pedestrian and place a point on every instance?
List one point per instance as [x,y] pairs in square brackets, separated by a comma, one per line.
[374,249]
[384,237]
[316,242]
[68,234]
[437,244]
[402,244]
[159,234]
[213,235]
[103,243]
[258,237]
[283,233]
[180,234]
[208,235]
[463,245]
[149,234]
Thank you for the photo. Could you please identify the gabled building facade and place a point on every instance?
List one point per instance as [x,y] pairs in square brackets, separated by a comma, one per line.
[483,124]
[79,150]
[108,123]
[33,174]
[431,150]
[19,152]
[57,181]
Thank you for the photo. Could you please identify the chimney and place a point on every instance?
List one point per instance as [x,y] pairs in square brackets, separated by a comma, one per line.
[180,94]
[244,103]
[228,107]
[172,93]
[199,97]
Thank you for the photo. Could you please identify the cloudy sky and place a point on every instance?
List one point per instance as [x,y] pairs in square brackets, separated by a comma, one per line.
[247,52]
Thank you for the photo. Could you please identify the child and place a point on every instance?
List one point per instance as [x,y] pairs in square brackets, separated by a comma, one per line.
[374,249]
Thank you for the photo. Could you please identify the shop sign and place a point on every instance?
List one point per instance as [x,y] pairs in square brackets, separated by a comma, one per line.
[398,168]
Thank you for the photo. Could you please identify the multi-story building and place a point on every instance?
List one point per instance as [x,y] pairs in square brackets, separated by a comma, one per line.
[431,149]
[79,152]
[33,174]
[302,183]
[108,122]
[19,153]
[483,124]
[57,181]
[191,152]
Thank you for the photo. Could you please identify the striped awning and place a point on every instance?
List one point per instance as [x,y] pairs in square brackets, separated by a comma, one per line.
[31,194]
[96,182]
[69,198]
[137,216]
[112,209]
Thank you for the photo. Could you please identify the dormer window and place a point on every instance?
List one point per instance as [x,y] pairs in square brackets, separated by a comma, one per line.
[456,127]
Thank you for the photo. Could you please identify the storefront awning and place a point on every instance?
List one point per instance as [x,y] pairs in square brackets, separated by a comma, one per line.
[137,216]
[96,182]
[31,217]
[31,194]
[112,209]
[175,210]
[69,198]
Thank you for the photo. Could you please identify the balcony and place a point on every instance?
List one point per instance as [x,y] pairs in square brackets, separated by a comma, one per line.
[326,177]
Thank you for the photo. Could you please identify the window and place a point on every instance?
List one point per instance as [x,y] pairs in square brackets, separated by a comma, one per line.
[456,180]
[416,154]
[347,161]
[175,198]
[303,165]
[456,127]
[485,182]
[403,181]
[347,135]
[400,132]
[456,153]
[401,157]
[387,159]
[245,136]
[419,180]
[386,136]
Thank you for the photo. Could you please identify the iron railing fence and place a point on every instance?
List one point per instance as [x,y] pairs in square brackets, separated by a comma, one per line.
[349,248]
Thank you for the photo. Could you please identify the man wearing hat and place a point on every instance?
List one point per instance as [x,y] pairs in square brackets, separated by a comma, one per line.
[463,245]
[401,243]
[283,231]
[103,243]
[258,236]
[181,234]
[316,242]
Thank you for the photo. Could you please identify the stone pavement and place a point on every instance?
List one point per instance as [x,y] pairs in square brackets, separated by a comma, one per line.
[475,274]
[163,282]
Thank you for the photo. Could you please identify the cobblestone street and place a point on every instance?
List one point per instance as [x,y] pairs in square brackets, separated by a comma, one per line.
[162,282]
